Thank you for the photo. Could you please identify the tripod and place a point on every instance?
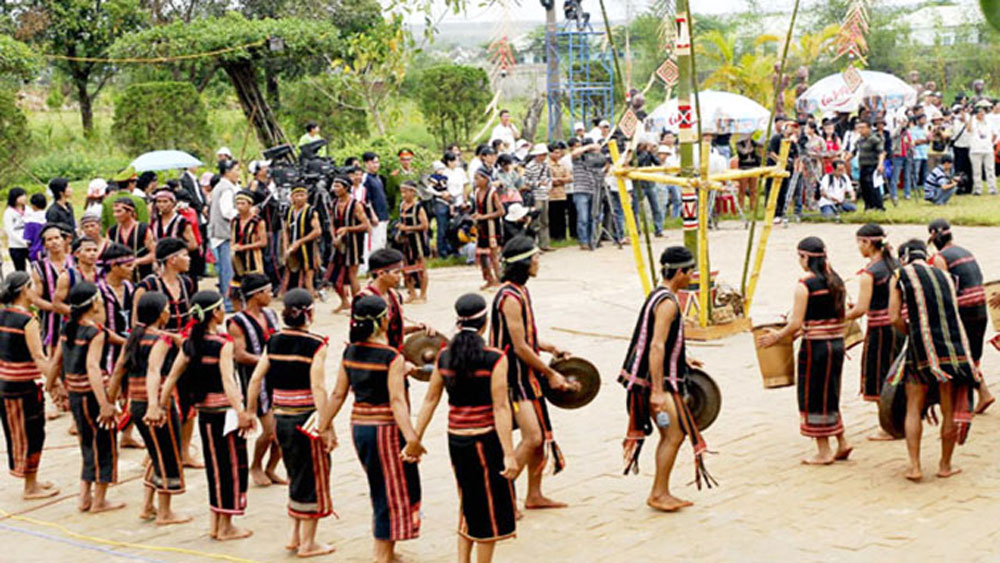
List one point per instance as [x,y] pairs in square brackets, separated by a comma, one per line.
[601,199]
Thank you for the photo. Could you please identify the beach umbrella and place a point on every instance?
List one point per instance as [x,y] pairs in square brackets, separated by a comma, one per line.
[164,160]
[722,112]
[833,93]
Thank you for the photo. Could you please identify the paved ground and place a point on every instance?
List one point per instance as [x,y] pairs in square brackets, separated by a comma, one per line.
[767,507]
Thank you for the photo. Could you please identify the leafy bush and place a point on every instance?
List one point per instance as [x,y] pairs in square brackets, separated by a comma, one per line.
[75,165]
[161,115]
[14,134]
[327,100]
[453,99]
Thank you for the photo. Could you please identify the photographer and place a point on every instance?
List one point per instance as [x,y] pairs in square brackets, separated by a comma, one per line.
[940,183]
[939,134]
[585,189]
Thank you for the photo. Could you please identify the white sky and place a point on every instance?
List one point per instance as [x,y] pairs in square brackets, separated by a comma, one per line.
[531,10]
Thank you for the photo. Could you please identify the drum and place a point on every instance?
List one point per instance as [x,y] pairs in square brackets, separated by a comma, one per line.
[575,370]
[421,350]
[992,291]
[703,398]
[892,410]
[854,335]
[777,363]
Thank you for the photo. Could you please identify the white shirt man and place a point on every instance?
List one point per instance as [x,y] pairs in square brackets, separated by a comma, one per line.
[505,131]
[457,180]
[836,192]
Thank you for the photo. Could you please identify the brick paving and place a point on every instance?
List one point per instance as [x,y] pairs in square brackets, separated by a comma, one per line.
[768,507]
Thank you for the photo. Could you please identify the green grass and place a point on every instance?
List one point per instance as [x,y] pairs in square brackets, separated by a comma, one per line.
[966,210]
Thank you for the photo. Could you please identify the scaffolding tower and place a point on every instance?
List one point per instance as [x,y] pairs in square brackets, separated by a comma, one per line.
[583,78]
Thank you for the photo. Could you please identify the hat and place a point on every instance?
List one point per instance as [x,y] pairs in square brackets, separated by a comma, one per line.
[515,212]
[244,194]
[90,217]
[206,179]
[579,126]
[225,152]
[404,152]
[169,247]
[539,150]
[604,123]
[126,175]
[256,165]
[97,188]
[164,193]
[984,104]
[956,107]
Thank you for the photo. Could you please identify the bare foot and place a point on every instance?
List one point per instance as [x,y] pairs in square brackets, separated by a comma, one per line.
[945,473]
[542,502]
[173,518]
[914,475]
[233,533]
[420,301]
[84,504]
[130,442]
[315,549]
[985,404]
[341,309]
[147,513]
[518,514]
[667,504]
[843,454]
[275,478]
[293,545]
[193,463]
[106,506]
[41,491]
[818,460]
[52,415]
[259,477]
[881,436]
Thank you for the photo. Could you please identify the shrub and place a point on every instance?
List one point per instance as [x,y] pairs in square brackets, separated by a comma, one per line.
[161,115]
[14,135]
[328,101]
[453,99]
[74,165]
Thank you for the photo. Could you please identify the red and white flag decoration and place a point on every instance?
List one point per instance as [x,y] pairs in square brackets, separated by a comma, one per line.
[851,39]
[668,72]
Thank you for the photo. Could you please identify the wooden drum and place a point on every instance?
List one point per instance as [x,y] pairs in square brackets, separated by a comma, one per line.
[992,290]
[777,363]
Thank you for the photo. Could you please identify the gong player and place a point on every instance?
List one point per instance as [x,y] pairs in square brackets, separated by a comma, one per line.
[385,266]
[513,329]
[654,375]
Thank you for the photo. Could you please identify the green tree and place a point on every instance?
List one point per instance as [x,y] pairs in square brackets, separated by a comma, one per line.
[14,135]
[331,101]
[17,59]
[241,46]
[374,62]
[452,99]
[749,73]
[161,115]
[78,31]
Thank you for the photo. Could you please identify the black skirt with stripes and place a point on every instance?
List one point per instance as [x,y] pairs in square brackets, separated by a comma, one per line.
[820,365]
[307,465]
[165,473]
[99,446]
[486,497]
[882,345]
[225,463]
[22,410]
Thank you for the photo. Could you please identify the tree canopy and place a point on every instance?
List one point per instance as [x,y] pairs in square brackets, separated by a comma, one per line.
[17,59]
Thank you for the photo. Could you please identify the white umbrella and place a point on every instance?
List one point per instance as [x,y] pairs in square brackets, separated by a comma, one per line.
[722,112]
[834,94]
[164,160]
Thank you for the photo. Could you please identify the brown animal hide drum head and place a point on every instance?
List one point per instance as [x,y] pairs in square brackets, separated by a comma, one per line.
[575,370]
[421,350]
[703,398]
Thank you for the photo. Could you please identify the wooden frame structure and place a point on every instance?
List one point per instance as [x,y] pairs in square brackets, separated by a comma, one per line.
[702,184]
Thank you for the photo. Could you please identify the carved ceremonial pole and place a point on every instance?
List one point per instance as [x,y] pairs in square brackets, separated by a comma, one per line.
[686,131]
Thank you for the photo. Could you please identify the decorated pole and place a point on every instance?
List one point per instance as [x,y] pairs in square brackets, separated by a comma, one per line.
[686,132]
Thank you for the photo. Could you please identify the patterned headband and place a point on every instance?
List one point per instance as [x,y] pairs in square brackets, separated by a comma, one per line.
[120,260]
[473,316]
[678,265]
[198,312]
[86,303]
[522,256]
[266,286]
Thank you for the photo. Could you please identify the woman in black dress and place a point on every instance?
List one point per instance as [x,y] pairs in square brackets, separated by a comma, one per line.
[819,313]
[206,361]
[479,431]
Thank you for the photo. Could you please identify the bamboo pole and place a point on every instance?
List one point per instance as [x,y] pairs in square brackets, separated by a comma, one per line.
[704,268]
[772,203]
[766,140]
[633,233]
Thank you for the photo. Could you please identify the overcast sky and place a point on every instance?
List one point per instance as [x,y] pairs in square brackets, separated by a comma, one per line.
[531,10]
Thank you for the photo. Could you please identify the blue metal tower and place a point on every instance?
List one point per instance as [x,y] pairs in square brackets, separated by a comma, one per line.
[585,79]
